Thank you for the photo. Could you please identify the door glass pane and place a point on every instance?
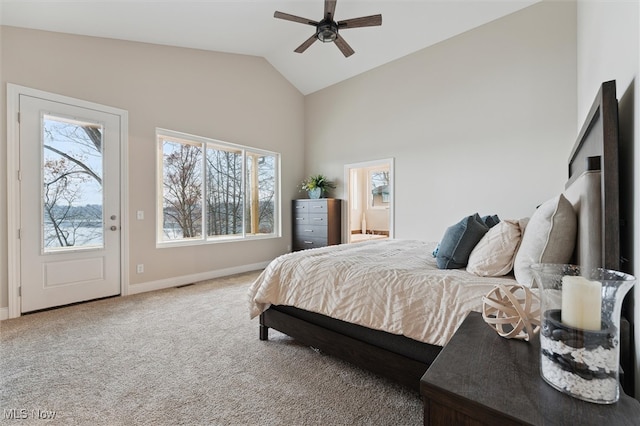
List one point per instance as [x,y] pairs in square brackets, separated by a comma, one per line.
[72,171]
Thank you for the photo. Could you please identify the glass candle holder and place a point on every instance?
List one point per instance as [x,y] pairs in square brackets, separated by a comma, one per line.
[580,329]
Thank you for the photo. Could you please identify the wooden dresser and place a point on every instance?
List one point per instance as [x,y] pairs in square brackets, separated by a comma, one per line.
[480,378]
[316,223]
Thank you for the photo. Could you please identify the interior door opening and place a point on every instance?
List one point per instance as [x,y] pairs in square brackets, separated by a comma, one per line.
[369,195]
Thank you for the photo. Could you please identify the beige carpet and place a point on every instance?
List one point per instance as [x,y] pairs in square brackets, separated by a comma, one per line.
[181,356]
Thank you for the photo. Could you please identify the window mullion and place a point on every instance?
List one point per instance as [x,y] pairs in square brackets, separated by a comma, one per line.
[255,195]
[204,192]
[244,193]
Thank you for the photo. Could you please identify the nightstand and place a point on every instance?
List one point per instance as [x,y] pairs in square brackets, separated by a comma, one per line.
[480,378]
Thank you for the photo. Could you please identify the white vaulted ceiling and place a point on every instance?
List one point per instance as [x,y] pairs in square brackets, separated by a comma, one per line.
[249,28]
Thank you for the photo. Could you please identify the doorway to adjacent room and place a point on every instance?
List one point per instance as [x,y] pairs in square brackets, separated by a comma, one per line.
[370,201]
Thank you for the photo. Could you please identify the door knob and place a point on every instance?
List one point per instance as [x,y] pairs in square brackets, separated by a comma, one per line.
[113,217]
[114,228]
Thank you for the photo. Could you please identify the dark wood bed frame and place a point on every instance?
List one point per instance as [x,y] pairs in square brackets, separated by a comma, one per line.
[596,148]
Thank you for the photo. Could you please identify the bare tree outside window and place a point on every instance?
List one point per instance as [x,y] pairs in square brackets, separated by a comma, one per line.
[182,190]
[72,184]
[236,187]
[224,192]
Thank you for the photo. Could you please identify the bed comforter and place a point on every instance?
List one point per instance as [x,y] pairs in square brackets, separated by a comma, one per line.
[391,285]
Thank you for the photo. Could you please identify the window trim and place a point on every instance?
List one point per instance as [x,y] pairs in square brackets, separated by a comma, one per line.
[181,137]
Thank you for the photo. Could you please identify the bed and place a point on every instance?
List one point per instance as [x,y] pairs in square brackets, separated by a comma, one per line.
[397,329]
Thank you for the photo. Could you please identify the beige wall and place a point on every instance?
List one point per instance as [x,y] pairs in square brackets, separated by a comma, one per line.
[483,122]
[608,49]
[235,98]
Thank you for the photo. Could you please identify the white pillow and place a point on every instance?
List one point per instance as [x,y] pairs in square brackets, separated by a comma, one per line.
[494,254]
[550,237]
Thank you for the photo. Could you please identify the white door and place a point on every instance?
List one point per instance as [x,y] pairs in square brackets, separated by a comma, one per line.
[69,203]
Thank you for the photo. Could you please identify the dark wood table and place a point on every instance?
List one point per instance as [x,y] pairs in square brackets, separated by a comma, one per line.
[480,378]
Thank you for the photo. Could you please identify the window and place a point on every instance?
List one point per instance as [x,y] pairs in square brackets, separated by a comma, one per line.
[215,191]
[379,188]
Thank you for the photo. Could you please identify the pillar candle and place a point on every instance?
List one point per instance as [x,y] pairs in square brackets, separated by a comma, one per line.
[581,303]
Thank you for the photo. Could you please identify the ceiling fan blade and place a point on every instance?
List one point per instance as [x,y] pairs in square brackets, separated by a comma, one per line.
[329,9]
[344,47]
[365,21]
[304,46]
[287,17]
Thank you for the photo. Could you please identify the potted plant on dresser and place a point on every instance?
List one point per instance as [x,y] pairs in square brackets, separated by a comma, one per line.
[317,186]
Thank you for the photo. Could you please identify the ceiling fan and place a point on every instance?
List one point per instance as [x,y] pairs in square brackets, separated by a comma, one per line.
[327,29]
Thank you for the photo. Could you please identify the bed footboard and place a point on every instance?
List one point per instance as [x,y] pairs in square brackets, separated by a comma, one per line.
[397,367]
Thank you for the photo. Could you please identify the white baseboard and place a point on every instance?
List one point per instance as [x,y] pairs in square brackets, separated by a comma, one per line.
[189,279]
[176,281]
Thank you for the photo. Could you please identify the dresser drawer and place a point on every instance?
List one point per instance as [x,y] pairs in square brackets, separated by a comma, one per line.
[301,219]
[319,219]
[303,243]
[319,206]
[304,231]
[300,208]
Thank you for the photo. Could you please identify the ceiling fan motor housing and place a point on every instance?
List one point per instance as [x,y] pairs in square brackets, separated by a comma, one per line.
[327,31]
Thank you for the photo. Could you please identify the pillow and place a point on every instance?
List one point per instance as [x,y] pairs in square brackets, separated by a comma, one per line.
[550,237]
[491,220]
[494,255]
[458,241]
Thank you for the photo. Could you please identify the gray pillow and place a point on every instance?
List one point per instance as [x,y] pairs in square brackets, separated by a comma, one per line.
[549,237]
[458,242]
[491,220]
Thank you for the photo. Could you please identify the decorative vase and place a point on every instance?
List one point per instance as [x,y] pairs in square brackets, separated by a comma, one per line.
[315,193]
[580,330]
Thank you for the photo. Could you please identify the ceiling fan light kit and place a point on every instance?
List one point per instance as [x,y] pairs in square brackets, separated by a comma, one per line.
[327,28]
[327,31]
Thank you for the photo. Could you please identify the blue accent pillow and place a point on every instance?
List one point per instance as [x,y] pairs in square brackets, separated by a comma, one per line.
[491,220]
[458,242]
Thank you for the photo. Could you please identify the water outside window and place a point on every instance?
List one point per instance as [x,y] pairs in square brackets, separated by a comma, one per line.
[72,196]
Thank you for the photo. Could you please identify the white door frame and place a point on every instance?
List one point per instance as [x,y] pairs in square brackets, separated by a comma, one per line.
[346,211]
[13,186]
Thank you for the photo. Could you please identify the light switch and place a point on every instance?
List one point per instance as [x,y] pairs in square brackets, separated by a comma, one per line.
[140,215]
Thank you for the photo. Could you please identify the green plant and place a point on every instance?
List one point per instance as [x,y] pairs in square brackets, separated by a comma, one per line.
[317,181]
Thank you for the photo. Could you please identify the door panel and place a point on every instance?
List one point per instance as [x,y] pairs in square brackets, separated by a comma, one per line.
[69,203]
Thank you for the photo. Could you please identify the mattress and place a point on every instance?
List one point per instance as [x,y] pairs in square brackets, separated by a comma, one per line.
[388,285]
